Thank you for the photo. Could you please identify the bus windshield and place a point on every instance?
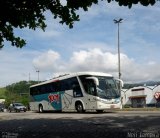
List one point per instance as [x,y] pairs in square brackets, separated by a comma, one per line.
[107,88]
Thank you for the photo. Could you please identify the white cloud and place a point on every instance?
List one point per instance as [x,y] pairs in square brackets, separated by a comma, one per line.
[46,61]
[151,63]
[93,60]
[97,60]
[16,65]
[93,45]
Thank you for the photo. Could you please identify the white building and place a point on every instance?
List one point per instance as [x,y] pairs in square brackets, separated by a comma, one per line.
[142,96]
[2,100]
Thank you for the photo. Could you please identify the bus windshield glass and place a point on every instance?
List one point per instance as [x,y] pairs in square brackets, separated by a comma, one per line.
[107,88]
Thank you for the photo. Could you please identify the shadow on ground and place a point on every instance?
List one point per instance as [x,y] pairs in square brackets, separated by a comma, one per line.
[94,127]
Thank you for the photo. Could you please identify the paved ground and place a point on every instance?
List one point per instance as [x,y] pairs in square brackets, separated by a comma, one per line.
[130,124]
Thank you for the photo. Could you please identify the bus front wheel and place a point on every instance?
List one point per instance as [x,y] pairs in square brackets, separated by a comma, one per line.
[79,108]
[40,109]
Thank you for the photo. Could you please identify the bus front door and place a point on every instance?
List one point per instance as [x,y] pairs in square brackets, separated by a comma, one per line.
[92,104]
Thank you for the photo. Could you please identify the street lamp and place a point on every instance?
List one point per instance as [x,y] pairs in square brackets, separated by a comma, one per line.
[38,74]
[119,67]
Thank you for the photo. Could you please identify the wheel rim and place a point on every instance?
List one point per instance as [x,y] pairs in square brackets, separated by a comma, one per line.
[79,108]
[40,109]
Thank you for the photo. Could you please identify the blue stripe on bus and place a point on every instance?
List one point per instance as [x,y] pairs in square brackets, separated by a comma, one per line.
[55,99]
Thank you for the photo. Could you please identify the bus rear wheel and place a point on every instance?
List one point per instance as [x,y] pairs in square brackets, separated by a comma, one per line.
[79,108]
[41,109]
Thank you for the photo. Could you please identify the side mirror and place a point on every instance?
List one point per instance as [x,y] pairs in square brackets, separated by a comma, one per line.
[120,81]
[95,80]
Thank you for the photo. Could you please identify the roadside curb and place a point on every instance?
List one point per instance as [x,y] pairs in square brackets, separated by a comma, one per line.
[140,109]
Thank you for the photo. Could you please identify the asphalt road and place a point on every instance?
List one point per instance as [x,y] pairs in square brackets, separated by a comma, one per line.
[125,124]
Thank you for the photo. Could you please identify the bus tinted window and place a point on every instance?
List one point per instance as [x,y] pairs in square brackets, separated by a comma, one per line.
[34,91]
[88,85]
[68,84]
[42,89]
[63,85]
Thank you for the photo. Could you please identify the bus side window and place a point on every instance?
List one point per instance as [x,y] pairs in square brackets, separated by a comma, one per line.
[77,91]
[52,87]
[76,87]
[88,85]
[31,91]
[91,88]
[42,89]
[64,85]
[36,90]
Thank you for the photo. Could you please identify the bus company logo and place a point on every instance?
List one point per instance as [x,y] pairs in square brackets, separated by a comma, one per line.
[53,98]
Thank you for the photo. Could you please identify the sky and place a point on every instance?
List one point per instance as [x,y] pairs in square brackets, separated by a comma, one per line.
[90,46]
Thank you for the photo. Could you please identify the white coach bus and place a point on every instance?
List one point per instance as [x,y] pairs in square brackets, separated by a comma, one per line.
[78,91]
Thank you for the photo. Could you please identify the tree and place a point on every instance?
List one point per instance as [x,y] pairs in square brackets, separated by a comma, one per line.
[17,92]
[30,13]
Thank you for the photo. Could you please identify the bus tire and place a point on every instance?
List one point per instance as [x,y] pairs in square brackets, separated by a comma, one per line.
[41,108]
[79,107]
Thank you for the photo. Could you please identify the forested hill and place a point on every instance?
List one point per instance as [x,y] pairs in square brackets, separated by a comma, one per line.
[2,93]
[16,92]
[20,87]
[147,83]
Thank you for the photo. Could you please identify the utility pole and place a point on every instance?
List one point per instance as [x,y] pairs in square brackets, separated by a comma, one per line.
[38,74]
[29,77]
[119,66]
[119,61]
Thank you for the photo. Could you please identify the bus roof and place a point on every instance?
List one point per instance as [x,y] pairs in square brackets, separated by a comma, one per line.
[66,76]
